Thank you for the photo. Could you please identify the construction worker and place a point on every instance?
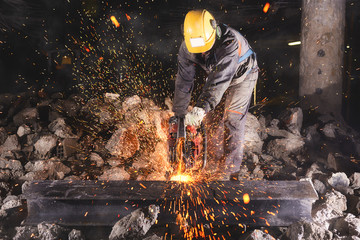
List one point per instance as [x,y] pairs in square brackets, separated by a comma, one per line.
[232,72]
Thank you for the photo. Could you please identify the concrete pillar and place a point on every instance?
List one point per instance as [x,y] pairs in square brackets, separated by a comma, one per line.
[321,55]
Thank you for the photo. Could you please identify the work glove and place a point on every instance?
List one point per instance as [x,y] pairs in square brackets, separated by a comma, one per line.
[194,117]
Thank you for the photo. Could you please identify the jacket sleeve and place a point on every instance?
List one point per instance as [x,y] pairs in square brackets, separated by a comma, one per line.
[220,77]
[184,82]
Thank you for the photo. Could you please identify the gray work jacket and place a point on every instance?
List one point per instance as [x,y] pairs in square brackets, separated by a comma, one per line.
[221,64]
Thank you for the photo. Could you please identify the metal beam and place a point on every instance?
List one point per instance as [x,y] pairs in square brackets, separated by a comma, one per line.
[102,203]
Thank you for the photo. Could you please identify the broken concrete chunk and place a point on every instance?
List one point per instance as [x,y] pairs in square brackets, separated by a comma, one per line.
[329,130]
[23,130]
[48,231]
[76,235]
[319,186]
[11,202]
[131,103]
[292,118]
[51,169]
[25,233]
[347,226]
[13,165]
[304,230]
[136,224]
[339,181]
[115,173]
[97,159]
[60,129]
[253,142]
[44,145]
[284,146]
[27,115]
[331,207]
[355,180]
[257,234]
[123,143]
[11,144]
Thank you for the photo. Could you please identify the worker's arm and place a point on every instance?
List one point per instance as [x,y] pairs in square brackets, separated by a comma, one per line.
[221,75]
[184,82]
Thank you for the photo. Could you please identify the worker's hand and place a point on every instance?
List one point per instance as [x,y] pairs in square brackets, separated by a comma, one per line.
[194,117]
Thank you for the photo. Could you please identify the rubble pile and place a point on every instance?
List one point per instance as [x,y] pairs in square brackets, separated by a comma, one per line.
[114,138]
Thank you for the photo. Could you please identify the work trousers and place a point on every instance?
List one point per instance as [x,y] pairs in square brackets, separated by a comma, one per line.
[233,117]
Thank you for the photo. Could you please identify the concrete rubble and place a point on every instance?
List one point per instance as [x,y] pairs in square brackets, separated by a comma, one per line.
[136,224]
[121,138]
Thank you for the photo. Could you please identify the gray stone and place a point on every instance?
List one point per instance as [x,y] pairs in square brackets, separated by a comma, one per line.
[48,231]
[355,180]
[13,165]
[136,224]
[25,233]
[23,130]
[42,169]
[27,115]
[304,230]
[329,130]
[94,157]
[253,142]
[76,235]
[274,123]
[348,225]
[311,134]
[10,169]
[11,144]
[319,186]
[257,234]
[292,118]
[123,143]
[131,103]
[314,170]
[5,174]
[60,129]
[283,147]
[339,181]
[44,145]
[115,173]
[332,206]
[11,201]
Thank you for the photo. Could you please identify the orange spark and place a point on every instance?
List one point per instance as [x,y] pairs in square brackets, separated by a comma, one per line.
[246,198]
[114,21]
[128,17]
[266,7]
[142,185]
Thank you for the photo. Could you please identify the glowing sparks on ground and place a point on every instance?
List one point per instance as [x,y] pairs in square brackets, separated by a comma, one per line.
[246,198]
[114,21]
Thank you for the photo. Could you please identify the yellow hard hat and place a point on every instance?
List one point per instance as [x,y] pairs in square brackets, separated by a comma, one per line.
[199,31]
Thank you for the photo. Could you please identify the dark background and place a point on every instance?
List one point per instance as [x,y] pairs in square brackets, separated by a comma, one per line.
[140,56]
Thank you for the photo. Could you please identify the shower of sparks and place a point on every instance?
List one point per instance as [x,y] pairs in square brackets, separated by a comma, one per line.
[118,60]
